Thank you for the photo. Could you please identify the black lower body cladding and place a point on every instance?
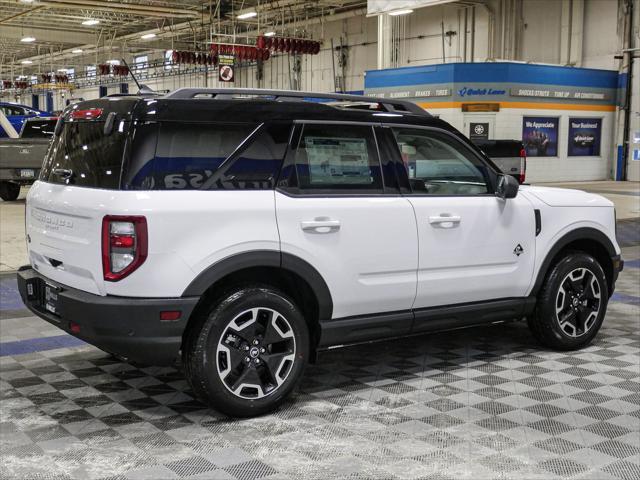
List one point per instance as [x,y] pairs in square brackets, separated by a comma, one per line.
[127,327]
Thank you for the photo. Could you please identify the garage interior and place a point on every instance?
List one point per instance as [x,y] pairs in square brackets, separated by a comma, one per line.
[482,403]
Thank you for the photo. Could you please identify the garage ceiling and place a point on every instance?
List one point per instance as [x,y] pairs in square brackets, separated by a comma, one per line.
[58,29]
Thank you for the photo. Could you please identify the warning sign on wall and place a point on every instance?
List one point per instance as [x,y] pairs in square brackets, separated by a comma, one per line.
[225,69]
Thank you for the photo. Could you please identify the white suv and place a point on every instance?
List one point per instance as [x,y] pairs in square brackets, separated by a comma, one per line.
[244,230]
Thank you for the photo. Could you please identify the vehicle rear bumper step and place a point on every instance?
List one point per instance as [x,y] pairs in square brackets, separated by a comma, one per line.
[124,326]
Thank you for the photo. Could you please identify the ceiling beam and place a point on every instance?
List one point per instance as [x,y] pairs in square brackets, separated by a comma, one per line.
[130,8]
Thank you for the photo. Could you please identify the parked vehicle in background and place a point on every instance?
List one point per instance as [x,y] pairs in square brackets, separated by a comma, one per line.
[244,230]
[21,158]
[17,114]
[509,155]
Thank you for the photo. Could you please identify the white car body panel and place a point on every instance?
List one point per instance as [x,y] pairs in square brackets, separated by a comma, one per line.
[369,264]
[473,259]
[188,232]
[385,257]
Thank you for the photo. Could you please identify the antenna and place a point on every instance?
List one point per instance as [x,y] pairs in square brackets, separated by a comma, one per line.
[141,88]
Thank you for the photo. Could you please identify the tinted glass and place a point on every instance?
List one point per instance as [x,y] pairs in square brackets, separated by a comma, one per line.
[339,158]
[38,129]
[256,165]
[95,160]
[438,164]
[10,110]
[206,156]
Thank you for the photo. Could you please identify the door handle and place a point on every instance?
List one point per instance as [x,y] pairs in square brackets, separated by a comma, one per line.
[445,220]
[320,225]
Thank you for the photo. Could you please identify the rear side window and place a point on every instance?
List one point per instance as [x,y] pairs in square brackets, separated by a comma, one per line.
[339,159]
[83,155]
[197,156]
[38,129]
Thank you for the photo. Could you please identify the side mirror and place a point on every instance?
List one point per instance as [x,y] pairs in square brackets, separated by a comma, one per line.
[507,187]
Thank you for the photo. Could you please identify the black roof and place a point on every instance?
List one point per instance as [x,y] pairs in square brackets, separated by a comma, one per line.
[253,106]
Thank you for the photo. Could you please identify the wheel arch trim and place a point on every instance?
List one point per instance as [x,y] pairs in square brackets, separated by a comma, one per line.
[582,233]
[265,258]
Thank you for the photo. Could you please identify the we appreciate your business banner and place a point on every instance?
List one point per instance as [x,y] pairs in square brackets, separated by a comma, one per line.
[584,137]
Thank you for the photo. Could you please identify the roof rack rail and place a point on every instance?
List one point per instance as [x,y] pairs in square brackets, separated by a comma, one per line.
[391,105]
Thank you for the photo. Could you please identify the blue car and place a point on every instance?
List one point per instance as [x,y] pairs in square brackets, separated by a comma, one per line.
[16,114]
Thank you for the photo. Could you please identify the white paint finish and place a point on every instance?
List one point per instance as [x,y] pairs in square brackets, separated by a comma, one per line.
[369,264]
[474,259]
[562,197]
[188,231]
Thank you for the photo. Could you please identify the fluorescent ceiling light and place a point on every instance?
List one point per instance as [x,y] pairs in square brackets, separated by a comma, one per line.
[63,70]
[91,21]
[114,62]
[76,50]
[400,12]
[244,16]
[147,36]
[26,62]
[28,39]
[270,34]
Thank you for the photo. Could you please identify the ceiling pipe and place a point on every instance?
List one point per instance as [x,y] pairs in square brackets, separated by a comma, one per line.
[121,8]
[26,12]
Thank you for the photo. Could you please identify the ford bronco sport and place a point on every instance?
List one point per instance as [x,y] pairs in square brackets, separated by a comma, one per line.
[242,231]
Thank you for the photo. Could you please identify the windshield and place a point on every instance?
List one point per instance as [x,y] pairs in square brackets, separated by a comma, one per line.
[83,155]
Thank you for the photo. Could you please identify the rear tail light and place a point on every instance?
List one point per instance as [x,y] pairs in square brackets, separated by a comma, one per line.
[88,114]
[124,245]
[523,166]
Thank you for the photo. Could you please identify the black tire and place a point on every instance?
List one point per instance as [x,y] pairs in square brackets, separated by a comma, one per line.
[9,191]
[214,345]
[568,313]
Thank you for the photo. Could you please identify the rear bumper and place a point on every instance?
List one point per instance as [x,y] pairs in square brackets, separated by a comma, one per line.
[17,175]
[128,327]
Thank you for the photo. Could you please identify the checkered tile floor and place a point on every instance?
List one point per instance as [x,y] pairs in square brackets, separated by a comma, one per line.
[484,403]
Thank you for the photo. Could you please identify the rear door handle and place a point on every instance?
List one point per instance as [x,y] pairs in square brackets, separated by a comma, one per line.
[320,225]
[444,219]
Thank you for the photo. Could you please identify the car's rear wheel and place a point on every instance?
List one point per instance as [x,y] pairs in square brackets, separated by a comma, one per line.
[572,304]
[9,191]
[248,353]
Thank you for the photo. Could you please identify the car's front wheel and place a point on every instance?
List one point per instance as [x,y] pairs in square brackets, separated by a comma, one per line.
[248,353]
[572,303]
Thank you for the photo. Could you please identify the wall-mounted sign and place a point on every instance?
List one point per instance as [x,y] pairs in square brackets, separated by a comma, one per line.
[414,93]
[540,136]
[478,131]
[584,137]
[473,92]
[480,107]
[226,71]
[560,94]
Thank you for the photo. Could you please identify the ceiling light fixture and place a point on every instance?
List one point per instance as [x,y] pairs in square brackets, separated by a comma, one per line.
[76,50]
[28,39]
[147,36]
[113,62]
[244,16]
[400,12]
[91,21]
[270,34]
[26,62]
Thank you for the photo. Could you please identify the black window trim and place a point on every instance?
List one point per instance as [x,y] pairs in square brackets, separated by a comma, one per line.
[491,180]
[294,141]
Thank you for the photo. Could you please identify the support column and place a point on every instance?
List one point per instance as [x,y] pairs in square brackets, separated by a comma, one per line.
[385,41]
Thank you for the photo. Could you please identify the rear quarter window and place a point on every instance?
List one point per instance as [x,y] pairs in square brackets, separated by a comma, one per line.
[209,156]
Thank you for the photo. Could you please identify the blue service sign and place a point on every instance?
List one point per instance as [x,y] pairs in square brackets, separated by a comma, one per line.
[584,137]
[540,136]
